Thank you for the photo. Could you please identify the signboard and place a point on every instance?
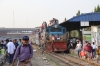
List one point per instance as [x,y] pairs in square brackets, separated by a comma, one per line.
[84,23]
[87,37]
[98,33]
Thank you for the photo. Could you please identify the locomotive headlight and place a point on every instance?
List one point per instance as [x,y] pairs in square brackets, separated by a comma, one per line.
[56,26]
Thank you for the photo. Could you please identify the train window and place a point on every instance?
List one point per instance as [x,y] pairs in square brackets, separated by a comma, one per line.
[58,29]
[64,31]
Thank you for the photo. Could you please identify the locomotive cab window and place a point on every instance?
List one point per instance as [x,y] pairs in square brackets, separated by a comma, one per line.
[53,29]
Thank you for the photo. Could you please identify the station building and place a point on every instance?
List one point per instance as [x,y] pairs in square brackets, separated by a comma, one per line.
[16,32]
[85,26]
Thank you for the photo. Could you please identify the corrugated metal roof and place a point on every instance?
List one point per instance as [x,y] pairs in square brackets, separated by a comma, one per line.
[86,17]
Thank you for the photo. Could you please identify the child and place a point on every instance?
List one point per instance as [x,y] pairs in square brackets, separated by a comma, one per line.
[98,53]
[2,51]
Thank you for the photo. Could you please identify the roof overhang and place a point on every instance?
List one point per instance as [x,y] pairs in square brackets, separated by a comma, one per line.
[75,22]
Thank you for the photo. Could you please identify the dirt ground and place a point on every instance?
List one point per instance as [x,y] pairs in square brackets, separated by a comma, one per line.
[40,59]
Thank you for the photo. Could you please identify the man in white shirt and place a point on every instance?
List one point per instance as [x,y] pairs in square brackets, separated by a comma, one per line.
[94,49]
[78,48]
[11,48]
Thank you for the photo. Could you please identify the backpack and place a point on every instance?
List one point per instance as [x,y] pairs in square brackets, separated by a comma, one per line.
[28,46]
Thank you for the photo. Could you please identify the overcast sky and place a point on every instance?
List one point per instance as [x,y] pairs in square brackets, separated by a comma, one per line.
[31,13]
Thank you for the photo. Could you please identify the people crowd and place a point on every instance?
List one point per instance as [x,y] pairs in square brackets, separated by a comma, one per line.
[8,47]
[87,50]
[15,48]
[3,43]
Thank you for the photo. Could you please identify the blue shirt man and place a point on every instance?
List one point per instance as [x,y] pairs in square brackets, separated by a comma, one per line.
[19,42]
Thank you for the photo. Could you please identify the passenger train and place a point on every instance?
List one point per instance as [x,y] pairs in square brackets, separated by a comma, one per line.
[54,36]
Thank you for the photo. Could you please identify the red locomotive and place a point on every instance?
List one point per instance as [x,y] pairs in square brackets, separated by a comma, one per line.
[54,36]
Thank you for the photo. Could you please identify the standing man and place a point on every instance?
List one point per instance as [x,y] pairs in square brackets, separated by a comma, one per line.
[42,44]
[7,57]
[53,39]
[24,52]
[38,38]
[74,42]
[19,42]
[11,49]
[84,45]
[4,44]
[15,43]
[94,47]
[88,50]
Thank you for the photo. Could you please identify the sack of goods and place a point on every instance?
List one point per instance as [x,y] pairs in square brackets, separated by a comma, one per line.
[2,51]
[82,53]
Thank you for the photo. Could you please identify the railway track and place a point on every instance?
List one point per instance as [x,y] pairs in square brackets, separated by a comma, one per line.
[90,62]
[86,62]
[67,61]
[73,61]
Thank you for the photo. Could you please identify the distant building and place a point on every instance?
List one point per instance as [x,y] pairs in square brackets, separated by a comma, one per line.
[16,32]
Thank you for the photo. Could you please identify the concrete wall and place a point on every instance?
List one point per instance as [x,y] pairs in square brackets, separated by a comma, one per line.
[94,34]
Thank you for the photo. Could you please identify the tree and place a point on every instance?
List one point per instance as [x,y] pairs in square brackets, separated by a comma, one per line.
[78,13]
[65,20]
[37,27]
[97,9]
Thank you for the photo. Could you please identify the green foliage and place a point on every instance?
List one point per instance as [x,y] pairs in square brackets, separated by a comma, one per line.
[78,13]
[37,27]
[87,29]
[97,9]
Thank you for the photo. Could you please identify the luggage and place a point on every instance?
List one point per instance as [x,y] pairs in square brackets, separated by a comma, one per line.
[82,53]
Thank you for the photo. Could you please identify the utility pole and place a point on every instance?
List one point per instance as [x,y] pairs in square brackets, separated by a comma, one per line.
[13,19]
[27,23]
